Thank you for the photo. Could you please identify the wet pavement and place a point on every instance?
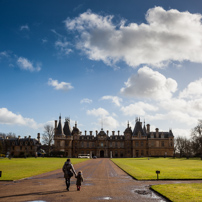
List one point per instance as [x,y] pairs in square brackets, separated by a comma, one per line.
[103,181]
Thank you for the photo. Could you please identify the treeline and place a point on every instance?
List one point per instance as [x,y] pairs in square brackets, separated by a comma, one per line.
[189,147]
[9,135]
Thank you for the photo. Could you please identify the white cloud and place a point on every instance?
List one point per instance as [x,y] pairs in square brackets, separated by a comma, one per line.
[86,100]
[193,90]
[181,132]
[60,86]
[138,109]
[173,117]
[108,122]
[149,84]
[24,27]
[44,41]
[8,117]
[167,36]
[116,100]
[25,64]
[63,47]
[4,54]
[100,112]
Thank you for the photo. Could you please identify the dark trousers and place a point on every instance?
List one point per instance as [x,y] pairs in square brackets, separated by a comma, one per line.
[67,180]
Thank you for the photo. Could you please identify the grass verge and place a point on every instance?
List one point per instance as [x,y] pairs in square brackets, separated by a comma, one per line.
[144,169]
[18,168]
[180,192]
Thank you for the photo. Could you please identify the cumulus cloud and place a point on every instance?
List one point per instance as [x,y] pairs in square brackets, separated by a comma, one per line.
[167,36]
[138,109]
[60,86]
[25,64]
[116,100]
[8,117]
[104,118]
[193,90]
[98,112]
[149,84]
[24,27]
[86,100]
[173,116]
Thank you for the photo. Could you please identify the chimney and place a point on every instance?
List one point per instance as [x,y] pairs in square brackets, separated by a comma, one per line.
[18,137]
[91,133]
[107,132]
[85,132]
[25,137]
[118,132]
[75,124]
[29,137]
[128,124]
[113,133]
[56,123]
[157,132]
[148,128]
[96,132]
[141,124]
[38,137]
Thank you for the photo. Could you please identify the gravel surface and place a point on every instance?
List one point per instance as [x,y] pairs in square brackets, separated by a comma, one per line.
[103,181]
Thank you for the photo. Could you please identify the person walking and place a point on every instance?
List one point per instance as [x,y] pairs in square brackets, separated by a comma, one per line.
[79,180]
[67,169]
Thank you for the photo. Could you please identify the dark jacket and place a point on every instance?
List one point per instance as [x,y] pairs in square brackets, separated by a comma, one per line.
[67,168]
[79,180]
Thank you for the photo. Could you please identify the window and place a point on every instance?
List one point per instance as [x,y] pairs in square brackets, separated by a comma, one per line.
[110,144]
[87,144]
[162,144]
[142,153]
[116,145]
[136,144]
[82,145]
[142,144]
[101,144]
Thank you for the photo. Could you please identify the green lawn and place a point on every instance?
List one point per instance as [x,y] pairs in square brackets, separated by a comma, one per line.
[180,192]
[18,168]
[144,169]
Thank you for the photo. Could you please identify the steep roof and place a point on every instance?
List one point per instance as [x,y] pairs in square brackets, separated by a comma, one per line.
[59,129]
[138,129]
[67,128]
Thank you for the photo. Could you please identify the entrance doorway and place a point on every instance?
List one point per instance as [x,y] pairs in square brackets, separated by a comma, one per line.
[102,154]
[137,153]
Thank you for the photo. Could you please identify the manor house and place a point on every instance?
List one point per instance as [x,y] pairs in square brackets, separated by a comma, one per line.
[138,142]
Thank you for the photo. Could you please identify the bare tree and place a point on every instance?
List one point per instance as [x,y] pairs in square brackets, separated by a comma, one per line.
[47,136]
[196,135]
[180,145]
[1,147]
[3,135]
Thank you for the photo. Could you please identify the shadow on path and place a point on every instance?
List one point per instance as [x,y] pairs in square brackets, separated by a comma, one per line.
[35,193]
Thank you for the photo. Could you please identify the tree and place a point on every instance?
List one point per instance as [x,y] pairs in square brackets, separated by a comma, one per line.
[47,136]
[180,145]
[196,135]
[1,147]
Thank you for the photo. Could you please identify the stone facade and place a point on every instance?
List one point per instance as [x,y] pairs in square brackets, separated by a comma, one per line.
[26,146]
[141,142]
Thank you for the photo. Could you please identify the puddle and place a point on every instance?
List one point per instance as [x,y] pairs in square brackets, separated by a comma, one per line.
[105,198]
[88,184]
[149,194]
[37,201]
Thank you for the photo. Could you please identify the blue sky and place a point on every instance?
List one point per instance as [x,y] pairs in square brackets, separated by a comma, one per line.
[100,61]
